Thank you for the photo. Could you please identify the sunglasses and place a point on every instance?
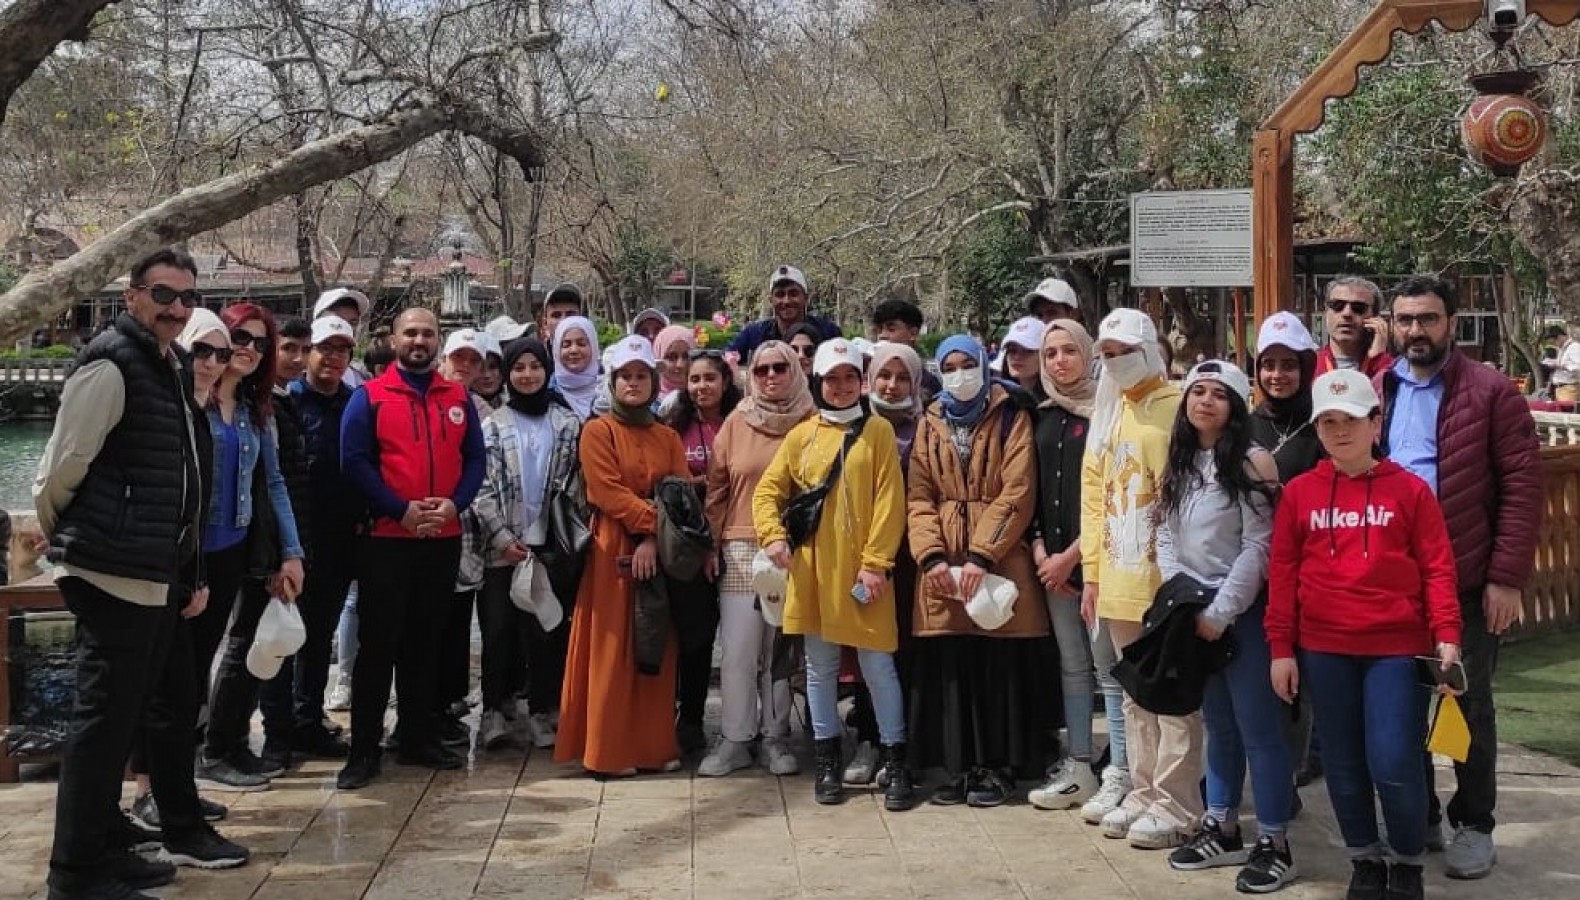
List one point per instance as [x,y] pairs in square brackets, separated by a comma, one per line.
[207,351]
[1356,306]
[703,353]
[164,295]
[777,368]
[804,350]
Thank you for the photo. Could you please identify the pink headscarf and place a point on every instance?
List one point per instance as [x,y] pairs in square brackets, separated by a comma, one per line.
[661,344]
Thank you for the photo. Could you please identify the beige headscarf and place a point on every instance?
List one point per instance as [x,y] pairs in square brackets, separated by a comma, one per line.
[1079,398]
[776,417]
[882,352]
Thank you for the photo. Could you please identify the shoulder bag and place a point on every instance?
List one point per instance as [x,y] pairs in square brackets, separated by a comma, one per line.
[800,516]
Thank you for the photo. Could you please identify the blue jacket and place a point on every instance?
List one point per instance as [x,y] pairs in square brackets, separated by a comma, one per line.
[338,508]
[757,333]
[252,447]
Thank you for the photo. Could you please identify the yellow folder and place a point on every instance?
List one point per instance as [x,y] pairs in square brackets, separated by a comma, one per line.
[1449,734]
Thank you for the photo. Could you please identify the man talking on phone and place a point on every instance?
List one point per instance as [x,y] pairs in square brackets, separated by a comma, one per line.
[1352,320]
[1464,429]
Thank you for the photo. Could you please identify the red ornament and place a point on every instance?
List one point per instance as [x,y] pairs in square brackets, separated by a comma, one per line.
[1503,128]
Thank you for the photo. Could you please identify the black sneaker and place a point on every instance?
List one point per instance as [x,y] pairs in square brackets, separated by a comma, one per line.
[321,743]
[221,775]
[988,789]
[950,793]
[1405,883]
[276,754]
[1209,848]
[110,890]
[1368,880]
[205,848]
[138,872]
[1269,869]
[438,758]
[691,737]
[132,834]
[211,811]
[253,764]
[452,731]
[359,772]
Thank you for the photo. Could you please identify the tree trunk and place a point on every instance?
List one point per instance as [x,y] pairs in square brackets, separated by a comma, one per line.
[30,30]
[1542,215]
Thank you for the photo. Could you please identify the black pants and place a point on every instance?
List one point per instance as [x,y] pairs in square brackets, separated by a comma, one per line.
[455,650]
[226,569]
[293,702]
[133,666]
[404,584]
[235,693]
[1476,796]
[515,642]
[694,609]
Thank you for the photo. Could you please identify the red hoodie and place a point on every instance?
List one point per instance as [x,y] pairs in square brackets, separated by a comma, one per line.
[1360,566]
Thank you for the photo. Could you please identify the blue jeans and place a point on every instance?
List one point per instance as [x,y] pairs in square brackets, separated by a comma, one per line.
[346,635]
[1079,673]
[1104,657]
[1370,713]
[1245,721]
[877,670]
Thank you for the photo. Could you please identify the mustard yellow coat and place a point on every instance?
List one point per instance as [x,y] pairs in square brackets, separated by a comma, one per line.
[862,524]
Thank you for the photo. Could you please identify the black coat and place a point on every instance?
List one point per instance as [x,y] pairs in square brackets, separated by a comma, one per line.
[1061,442]
[1165,671]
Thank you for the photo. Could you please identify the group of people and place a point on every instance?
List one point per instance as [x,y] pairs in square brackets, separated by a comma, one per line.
[967,551]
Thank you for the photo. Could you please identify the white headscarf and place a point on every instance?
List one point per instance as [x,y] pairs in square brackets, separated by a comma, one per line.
[578,388]
[1133,328]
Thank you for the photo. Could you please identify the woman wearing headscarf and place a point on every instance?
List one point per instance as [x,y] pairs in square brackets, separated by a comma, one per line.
[531,443]
[894,390]
[839,593]
[756,705]
[577,374]
[977,705]
[1063,421]
[614,719]
[672,348]
[803,339]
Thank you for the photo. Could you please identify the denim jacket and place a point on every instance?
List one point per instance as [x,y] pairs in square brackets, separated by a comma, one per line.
[250,448]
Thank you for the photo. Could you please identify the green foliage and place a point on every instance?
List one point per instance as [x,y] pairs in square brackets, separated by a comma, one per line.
[927,344]
[642,259]
[609,333]
[9,276]
[54,351]
[988,274]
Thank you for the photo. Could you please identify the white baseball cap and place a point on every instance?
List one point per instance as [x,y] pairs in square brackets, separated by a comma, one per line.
[1226,373]
[1053,290]
[334,296]
[1343,390]
[1025,333]
[629,349]
[833,353]
[863,346]
[1284,329]
[280,633]
[330,327]
[505,329]
[787,273]
[467,339]
[1130,327]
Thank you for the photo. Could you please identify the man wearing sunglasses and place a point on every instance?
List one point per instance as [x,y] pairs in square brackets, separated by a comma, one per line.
[1357,334]
[788,295]
[120,493]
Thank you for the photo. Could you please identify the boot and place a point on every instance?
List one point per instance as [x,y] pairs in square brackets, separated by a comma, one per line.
[899,793]
[1405,882]
[830,788]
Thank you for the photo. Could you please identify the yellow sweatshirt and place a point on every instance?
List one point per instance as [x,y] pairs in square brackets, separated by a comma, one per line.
[1120,490]
[861,527]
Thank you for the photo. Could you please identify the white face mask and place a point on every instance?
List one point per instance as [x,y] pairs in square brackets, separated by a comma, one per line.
[1128,370]
[962,384]
[842,416]
[878,402]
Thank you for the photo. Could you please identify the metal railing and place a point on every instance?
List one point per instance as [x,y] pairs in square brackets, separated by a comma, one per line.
[33,370]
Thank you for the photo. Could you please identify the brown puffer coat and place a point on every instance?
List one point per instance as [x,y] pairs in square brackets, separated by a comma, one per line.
[981,515]
[1489,471]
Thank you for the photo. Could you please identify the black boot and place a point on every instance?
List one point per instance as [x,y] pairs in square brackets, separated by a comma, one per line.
[830,787]
[899,792]
[1405,882]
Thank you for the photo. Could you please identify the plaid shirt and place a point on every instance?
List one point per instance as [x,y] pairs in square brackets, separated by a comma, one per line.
[495,517]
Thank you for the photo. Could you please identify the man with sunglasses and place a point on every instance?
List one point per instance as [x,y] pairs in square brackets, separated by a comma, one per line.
[1466,431]
[1357,334]
[788,294]
[120,493]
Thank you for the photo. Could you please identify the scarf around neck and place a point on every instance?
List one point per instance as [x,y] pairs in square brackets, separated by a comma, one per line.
[967,412]
[1080,397]
[775,418]
[580,389]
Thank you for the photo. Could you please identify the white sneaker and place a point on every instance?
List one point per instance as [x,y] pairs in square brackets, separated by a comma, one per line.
[778,758]
[1071,784]
[541,729]
[494,732]
[726,757]
[1117,823]
[1115,786]
[340,696]
[1153,832]
[863,766]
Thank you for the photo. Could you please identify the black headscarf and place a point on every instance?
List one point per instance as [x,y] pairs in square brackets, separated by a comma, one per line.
[535,404]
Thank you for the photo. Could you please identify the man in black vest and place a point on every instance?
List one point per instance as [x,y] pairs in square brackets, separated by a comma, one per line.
[120,493]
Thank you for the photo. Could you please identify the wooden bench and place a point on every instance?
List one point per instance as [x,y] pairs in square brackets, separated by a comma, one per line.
[34,594]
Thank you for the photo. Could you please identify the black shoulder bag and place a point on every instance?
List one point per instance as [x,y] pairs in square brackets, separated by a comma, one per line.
[801,514]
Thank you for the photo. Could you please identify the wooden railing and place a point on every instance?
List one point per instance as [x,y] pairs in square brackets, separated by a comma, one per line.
[33,370]
[1552,600]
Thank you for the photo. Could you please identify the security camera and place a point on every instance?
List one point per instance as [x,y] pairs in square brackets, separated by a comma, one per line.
[1505,15]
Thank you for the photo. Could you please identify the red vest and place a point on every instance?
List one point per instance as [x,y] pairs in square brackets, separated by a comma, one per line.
[419,441]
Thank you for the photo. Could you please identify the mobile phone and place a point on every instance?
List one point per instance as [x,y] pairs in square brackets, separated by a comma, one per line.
[859,592]
[622,564]
[1434,674]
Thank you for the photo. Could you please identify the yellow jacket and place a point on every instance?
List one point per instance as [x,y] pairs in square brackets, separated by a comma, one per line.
[861,527]
[1120,491]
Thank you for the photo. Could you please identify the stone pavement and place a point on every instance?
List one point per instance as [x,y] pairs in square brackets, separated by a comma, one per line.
[515,827]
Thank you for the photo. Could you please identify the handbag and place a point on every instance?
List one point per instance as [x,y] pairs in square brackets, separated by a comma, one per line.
[568,517]
[800,516]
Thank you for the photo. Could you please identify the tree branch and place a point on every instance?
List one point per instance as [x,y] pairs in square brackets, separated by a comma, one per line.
[30,30]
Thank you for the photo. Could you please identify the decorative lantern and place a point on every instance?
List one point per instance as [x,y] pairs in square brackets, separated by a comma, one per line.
[1503,128]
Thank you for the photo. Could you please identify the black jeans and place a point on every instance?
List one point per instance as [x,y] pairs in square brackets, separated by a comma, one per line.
[293,702]
[226,569]
[694,609]
[455,650]
[514,642]
[133,666]
[235,687]
[404,586]
[1476,796]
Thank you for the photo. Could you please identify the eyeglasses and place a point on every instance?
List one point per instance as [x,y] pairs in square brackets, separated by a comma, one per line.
[1405,321]
[778,368]
[704,353]
[804,350]
[208,351]
[1357,307]
[164,295]
[241,337]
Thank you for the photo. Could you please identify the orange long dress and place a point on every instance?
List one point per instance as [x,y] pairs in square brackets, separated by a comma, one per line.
[611,717]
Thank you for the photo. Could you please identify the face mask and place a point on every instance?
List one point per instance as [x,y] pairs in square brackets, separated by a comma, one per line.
[899,406]
[842,416]
[1128,370]
[963,384]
